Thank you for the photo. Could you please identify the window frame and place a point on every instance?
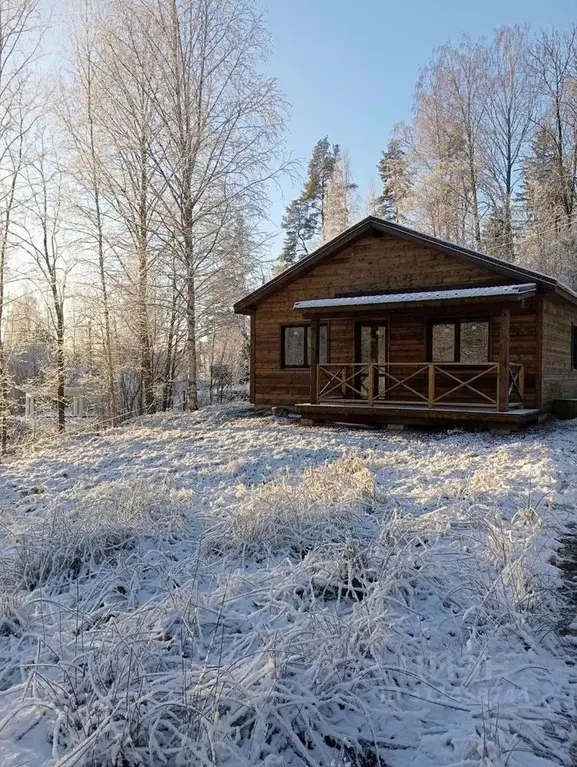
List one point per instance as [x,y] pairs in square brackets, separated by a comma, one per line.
[307,328]
[456,322]
[574,346]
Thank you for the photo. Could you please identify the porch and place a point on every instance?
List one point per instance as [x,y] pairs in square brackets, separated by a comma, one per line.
[492,385]
[464,368]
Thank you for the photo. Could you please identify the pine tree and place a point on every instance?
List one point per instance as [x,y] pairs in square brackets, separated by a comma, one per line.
[299,225]
[321,169]
[304,218]
[396,178]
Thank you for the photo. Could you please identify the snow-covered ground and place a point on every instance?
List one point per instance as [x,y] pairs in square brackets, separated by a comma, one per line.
[226,589]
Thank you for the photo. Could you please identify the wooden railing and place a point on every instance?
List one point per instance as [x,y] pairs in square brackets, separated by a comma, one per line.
[516,385]
[430,384]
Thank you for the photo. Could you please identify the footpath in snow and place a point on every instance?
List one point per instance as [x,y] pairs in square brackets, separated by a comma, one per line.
[232,590]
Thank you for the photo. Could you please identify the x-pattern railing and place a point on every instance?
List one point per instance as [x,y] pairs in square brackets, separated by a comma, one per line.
[434,383]
[394,383]
[464,378]
[342,381]
[516,383]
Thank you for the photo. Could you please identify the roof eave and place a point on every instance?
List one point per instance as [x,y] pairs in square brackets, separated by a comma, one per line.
[566,293]
[339,311]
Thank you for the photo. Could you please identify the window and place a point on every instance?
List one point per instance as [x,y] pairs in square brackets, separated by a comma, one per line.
[474,342]
[296,345]
[443,346]
[459,341]
[574,347]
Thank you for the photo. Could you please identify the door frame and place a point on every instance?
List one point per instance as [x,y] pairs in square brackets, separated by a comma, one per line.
[374,323]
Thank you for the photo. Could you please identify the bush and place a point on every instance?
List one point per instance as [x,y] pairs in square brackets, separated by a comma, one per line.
[74,537]
[293,516]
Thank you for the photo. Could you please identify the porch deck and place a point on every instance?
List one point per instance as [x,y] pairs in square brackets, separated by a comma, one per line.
[355,411]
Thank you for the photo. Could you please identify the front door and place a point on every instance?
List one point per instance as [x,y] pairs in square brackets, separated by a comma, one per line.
[372,345]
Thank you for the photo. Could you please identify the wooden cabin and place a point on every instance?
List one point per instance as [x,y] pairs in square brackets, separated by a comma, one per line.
[387,325]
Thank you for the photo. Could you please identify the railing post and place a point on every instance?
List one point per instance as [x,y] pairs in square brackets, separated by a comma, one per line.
[314,350]
[431,392]
[371,384]
[522,384]
[503,372]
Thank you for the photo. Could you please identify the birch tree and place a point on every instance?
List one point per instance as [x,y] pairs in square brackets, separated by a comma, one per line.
[19,37]
[554,75]
[506,128]
[474,115]
[219,139]
[341,209]
[44,238]
[441,202]
[81,116]
[458,75]
[128,121]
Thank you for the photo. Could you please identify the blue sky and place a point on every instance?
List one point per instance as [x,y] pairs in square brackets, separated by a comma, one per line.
[349,67]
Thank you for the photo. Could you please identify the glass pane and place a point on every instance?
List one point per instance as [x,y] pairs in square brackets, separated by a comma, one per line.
[294,346]
[380,353]
[323,344]
[366,343]
[474,342]
[373,343]
[444,342]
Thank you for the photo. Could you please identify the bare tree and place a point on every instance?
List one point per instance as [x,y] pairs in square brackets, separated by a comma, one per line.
[80,112]
[461,72]
[20,29]
[554,73]
[474,111]
[172,135]
[44,238]
[341,208]
[218,144]
[127,83]
[439,201]
[506,127]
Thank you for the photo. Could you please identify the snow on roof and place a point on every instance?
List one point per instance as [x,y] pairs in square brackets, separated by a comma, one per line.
[428,295]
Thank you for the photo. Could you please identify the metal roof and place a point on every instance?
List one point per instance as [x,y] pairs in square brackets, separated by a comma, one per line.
[519,291]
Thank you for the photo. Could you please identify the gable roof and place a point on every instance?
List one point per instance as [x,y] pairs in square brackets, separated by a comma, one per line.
[375,226]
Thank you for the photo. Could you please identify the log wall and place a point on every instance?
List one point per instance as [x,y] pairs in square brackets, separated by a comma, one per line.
[559,379]
[377,264]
